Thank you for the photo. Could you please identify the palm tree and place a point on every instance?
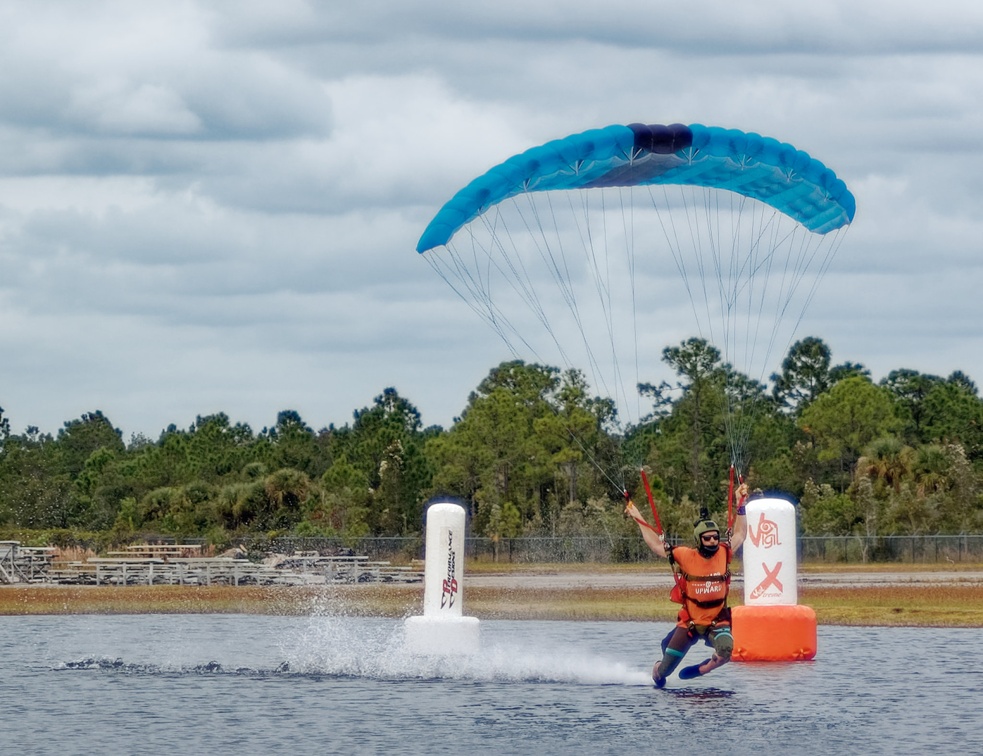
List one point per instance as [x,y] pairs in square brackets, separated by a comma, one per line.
[931,469]
[888,463]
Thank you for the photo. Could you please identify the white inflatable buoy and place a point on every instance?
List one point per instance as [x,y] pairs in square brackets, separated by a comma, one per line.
[443,628]
[772,626]
[770,556]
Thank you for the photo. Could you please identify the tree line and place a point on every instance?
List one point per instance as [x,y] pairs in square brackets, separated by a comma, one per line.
[533,453]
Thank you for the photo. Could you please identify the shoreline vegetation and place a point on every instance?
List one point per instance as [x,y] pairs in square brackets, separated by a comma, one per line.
[952,602]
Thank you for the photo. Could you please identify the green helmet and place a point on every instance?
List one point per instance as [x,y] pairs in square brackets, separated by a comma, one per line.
[704,526]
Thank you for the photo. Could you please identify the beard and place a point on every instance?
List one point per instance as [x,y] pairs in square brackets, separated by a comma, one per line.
[709,551]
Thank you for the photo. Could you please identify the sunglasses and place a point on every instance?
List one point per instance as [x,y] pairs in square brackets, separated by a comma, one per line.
[709,538]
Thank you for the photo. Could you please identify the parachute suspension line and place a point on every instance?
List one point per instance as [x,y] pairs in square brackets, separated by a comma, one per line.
[628,219]
[595,247]
[501,258]
[612,297]
[508,264]
[667,222]
[537,219]
[515,271]
[580,215]
[618,485]
[491,261]
[764,265]
[484,268]
[751,294]
[798,264]
[555,262]
[517,268]
[731,263]
[601,275]
[750,261]
[709,222]
[613,300]
[724,274]
[763,246]
[601,278]
[760,337]
[716,265]
[786,254]
[755,257]
[479,301]
[731,298]
[828,245]
[712,212]
[832,247]
[730,502]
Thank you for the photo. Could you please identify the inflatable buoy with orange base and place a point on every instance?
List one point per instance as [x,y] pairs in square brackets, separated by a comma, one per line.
[774,633]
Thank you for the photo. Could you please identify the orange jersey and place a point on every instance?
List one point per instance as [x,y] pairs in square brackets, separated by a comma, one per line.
[707,582]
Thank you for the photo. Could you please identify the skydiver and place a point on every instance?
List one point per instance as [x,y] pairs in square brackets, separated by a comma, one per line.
[705,584]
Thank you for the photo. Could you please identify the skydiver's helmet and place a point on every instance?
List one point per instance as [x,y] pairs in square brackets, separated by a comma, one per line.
[703,526]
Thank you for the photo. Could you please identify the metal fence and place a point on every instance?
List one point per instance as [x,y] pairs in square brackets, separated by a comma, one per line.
[928,549]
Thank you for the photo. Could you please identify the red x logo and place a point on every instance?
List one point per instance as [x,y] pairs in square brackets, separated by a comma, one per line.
[771,579]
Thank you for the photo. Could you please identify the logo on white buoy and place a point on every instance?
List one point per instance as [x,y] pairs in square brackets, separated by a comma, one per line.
[770,580]
[449,593]
[766,535]
[770,558]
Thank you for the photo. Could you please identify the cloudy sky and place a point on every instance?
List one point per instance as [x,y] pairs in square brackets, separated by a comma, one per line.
[213,206]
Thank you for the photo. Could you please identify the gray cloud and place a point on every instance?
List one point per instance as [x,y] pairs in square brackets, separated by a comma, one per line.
[213,207]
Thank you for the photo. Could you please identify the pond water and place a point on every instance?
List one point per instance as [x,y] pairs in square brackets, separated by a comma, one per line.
[328,684]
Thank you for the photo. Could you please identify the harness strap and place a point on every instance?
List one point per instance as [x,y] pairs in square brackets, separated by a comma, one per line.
[677,574]
[710,578]
[707,604]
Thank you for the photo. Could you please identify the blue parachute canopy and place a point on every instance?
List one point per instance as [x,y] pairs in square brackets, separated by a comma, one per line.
[754,166]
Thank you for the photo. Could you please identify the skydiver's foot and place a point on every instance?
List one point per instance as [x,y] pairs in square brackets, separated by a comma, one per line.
[659,680]
[688,673]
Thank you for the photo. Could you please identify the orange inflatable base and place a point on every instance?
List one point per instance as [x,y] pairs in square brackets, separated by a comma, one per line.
[774,633]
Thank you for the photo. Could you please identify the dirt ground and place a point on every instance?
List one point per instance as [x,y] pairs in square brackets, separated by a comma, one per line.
[660,577]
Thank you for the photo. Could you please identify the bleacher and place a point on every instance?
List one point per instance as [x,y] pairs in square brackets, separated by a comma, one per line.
[24,564]
[183,564]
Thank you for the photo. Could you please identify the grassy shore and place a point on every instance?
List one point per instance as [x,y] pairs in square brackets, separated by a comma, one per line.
[952,604]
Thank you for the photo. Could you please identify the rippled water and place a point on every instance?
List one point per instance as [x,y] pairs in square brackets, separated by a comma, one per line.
[320,685]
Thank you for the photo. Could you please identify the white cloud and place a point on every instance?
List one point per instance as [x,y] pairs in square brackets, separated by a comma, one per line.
[214,207]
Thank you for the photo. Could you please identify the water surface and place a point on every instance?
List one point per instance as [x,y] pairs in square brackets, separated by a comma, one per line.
[330,684]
